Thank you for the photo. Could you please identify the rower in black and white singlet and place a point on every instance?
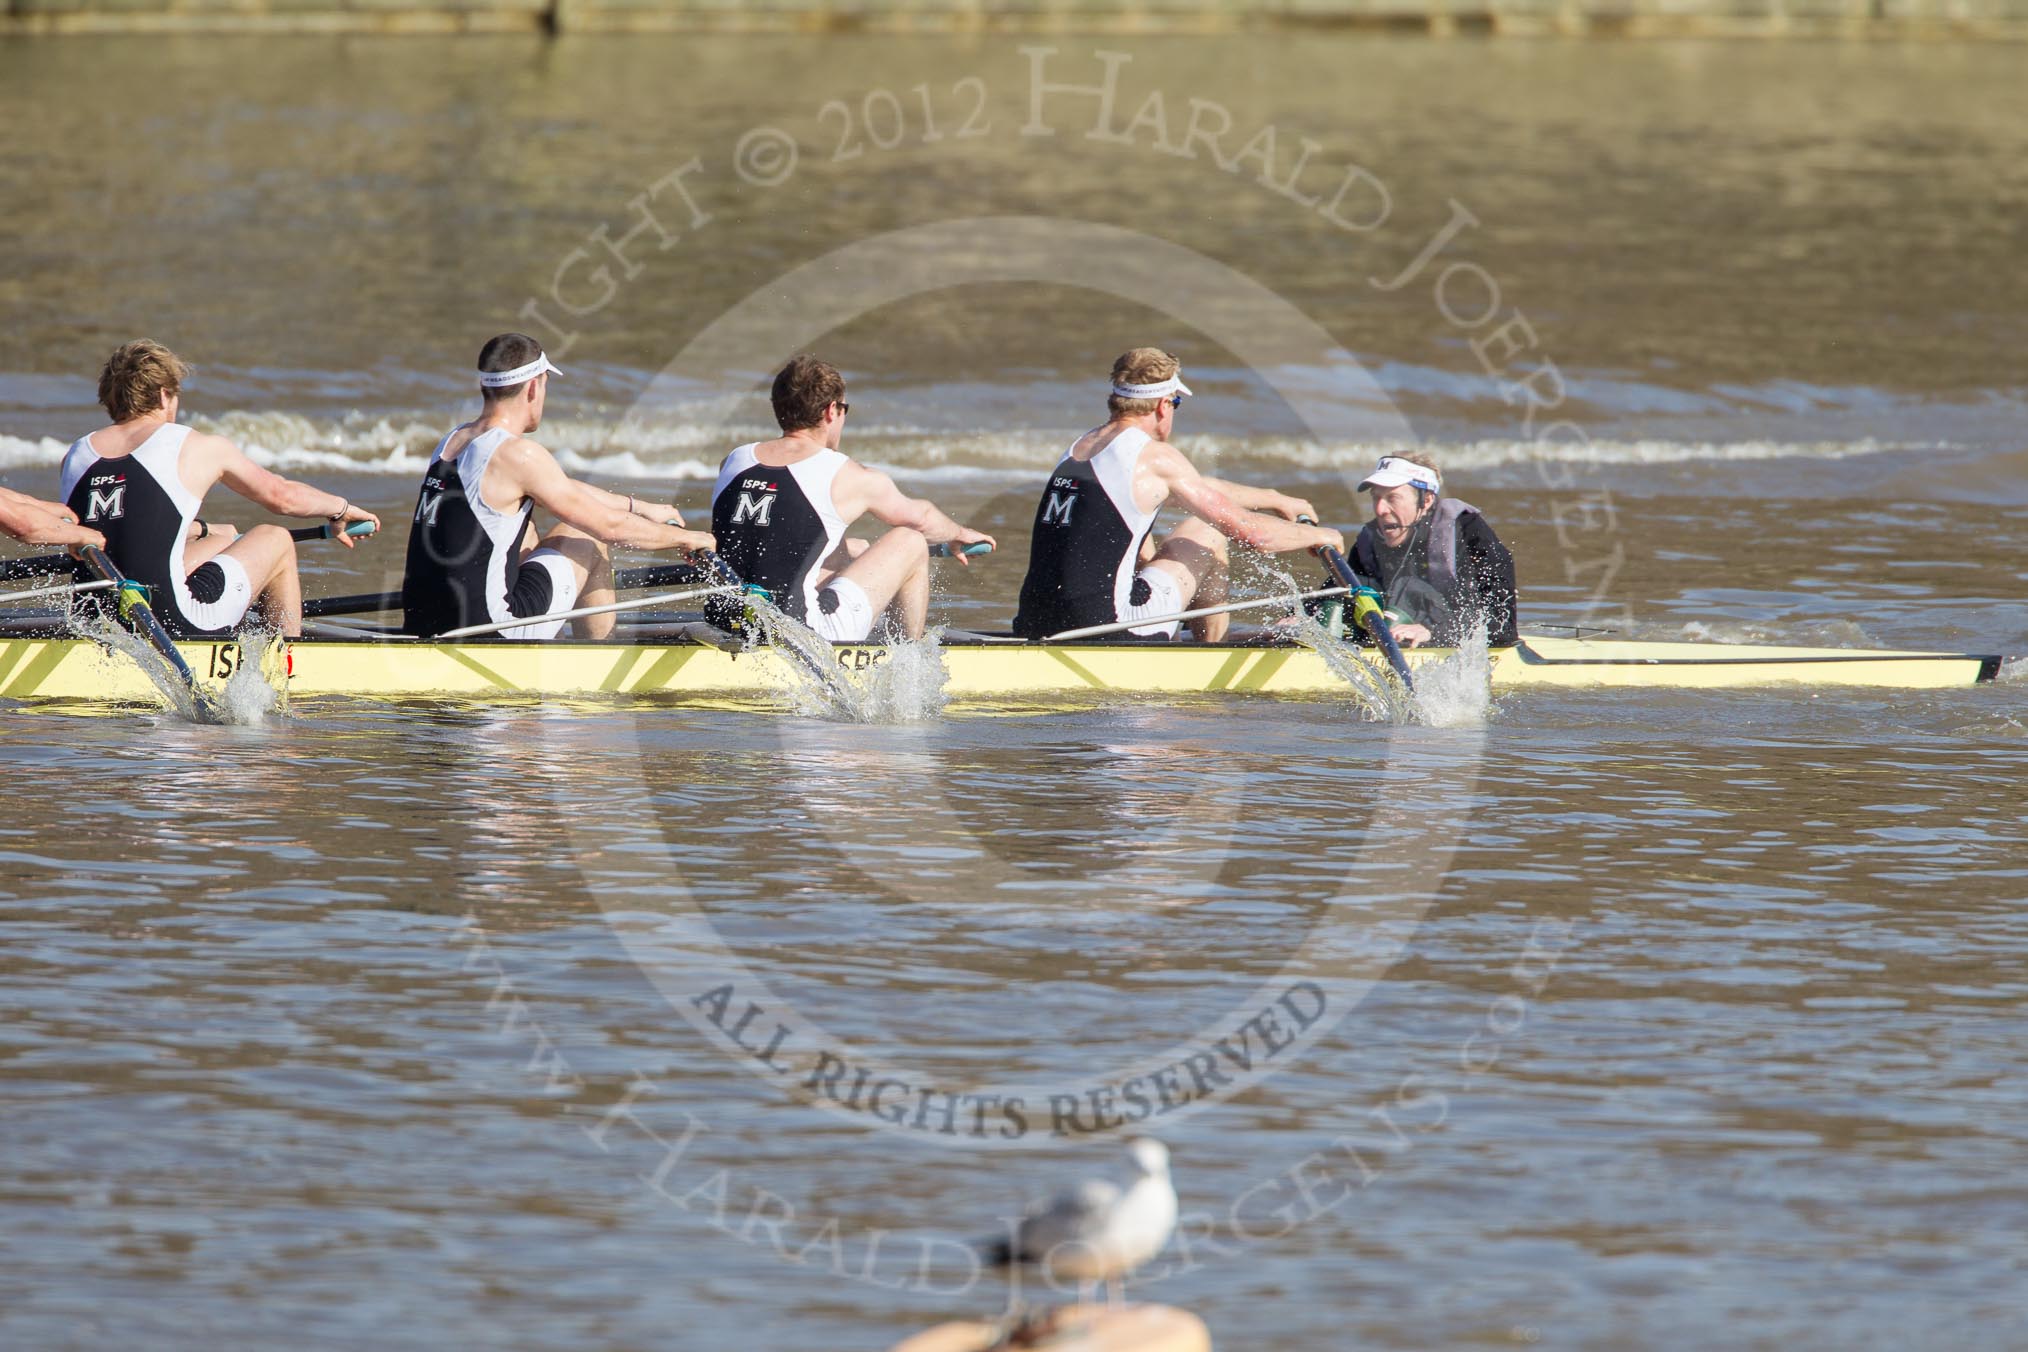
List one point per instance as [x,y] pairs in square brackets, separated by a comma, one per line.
[1083,562]
[465,564]
[775,526]
[139,502]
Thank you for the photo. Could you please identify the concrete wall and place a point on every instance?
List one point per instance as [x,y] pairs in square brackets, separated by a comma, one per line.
[1885,19]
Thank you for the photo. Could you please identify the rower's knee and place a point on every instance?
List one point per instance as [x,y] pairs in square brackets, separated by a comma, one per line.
[1206,536]
[563,533]
[274,540]
[908,541]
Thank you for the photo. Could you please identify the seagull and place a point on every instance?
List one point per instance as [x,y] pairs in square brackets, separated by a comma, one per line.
[1101,1229]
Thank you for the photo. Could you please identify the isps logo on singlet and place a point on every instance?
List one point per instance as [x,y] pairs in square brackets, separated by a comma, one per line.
[1062,497]
[756,502]
[108,497]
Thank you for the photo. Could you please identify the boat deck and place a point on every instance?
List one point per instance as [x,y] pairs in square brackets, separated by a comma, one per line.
[976,665]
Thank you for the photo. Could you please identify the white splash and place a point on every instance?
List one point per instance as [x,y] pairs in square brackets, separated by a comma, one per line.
[1453,691]
[245,700]
[1456,691]
[249,694]
[905,686]
[1381,697]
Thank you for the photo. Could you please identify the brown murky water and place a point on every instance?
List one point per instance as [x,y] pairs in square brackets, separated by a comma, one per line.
[1656,1020]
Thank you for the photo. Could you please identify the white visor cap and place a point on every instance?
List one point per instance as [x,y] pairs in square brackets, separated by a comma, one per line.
[498,380]
[1394,471]
[1161,389]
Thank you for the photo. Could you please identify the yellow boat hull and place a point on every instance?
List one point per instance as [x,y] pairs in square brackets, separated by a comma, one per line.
[79,669]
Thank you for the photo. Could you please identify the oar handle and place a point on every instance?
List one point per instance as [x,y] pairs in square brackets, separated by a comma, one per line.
[1366,611]
[951,551]
[327,531]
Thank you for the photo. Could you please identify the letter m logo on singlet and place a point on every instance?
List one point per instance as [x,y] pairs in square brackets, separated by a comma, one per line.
[1056,510]
[107,504]
[754,508]
[427,507]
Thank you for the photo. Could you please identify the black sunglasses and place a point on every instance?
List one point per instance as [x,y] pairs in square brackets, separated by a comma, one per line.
[843,407]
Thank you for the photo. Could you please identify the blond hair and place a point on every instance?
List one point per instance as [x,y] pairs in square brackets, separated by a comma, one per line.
[136,377]
[1141,366]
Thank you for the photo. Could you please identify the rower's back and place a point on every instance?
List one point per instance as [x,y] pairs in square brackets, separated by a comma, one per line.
[1087,537]
[775,516]
[462,551]
[126,483]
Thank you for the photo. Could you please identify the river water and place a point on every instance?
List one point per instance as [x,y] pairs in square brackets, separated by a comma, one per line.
[1604,1020]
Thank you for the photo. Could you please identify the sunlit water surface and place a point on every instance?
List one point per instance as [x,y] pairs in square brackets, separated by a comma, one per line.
[1658,1019]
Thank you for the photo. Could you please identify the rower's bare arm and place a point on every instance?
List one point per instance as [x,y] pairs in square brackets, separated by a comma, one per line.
[1264,499]
[533,472]
[890,505]
[1202,499]
[35,522]
[225,463]
[664,512]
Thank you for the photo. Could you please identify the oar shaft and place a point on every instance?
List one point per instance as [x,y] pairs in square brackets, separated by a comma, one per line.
[625,579]
[68,589]
[38,565]
[476,630]
[1367,614]
[1093,631]
[136,611]
[1365,610]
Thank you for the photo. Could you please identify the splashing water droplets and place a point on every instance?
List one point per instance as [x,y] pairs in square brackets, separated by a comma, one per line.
[245,700]
[905,686]
[1456,691]
[1451,692]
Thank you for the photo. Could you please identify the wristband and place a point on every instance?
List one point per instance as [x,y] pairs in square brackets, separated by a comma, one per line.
[339,515]
[203,530]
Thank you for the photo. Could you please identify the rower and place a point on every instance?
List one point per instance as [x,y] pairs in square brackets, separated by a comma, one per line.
[473,553]
[781,508]
[1434,559]
[35,522]
[142,481]
[1090,564]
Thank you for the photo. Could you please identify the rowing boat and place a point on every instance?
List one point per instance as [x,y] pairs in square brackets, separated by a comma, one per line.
[70,668]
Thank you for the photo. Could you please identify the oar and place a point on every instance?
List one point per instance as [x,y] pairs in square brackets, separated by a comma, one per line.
[325,531]
[36,565]
[67,589]
[474,630]
[1366,610]
[135,610]
[625,579]
[1095,630]
[949,551]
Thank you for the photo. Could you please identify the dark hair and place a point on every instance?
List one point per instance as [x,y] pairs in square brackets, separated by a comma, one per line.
[136,377]
[504,353]
[803,390]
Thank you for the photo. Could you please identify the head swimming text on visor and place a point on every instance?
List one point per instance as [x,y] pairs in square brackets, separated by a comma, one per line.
[494,380]
[1393,471]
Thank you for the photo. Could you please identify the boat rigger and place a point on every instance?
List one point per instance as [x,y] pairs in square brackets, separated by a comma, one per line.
[78,669]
